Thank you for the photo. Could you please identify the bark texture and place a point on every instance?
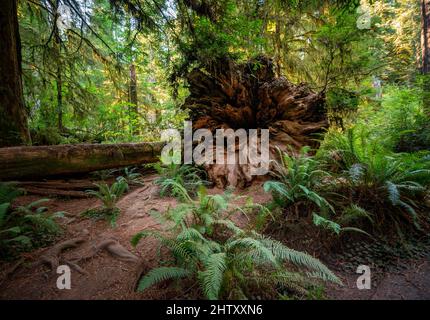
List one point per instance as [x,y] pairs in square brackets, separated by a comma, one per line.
[425,52]
[27,162]
[134,109]
[249,96]
[13,120]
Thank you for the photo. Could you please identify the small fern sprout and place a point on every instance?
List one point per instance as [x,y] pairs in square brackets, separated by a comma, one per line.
[109,195]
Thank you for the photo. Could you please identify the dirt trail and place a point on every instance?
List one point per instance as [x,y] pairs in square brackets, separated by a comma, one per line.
[412,284]
[104,276]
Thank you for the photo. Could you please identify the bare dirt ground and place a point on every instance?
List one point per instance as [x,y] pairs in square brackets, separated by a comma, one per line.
[412,284]
[102,274]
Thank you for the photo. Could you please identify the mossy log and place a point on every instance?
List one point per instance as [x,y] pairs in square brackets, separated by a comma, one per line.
[42,161]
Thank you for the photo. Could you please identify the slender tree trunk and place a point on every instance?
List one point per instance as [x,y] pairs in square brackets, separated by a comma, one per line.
[59,99]
[13,119]
[133,99]
[425,36]
[278,47]
[59,81]
[425,52]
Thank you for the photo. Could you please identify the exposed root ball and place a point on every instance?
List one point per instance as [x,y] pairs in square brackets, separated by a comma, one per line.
[249,96]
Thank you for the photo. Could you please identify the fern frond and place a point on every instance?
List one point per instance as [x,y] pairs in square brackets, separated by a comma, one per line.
[393,193]
[299,259]
[161,274]
[256,250]
[212,276]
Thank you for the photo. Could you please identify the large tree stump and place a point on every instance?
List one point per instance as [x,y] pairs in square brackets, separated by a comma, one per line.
[249,96]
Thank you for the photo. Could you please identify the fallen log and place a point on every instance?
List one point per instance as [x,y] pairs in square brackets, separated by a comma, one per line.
[42,161]
[45,192]
[69,184]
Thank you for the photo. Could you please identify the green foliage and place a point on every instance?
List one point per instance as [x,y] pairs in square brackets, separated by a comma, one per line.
[226,259]
[207,211]
[109,195]
[377,185]
[24,227]
[131,176]
[340,103]
[178,180]
[327,224]
[354,182]
[333,226]
[104,174]
[8,192]
[299,178]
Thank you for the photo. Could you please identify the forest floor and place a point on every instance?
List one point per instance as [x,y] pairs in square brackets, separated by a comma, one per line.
[102,275]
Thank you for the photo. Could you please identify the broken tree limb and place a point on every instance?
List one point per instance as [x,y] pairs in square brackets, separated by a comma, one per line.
[41,161]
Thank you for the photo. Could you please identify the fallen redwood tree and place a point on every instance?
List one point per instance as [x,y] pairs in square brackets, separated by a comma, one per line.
[29,162]
[248,96]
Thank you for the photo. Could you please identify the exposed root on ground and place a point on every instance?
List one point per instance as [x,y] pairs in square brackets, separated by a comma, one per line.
[53,256]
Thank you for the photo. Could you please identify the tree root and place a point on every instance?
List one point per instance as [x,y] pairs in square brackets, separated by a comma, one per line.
[117,250]
[53,258]
[7,273]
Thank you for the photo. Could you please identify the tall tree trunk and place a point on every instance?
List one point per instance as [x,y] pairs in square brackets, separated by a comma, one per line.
[13,120]
[59,81]
[133,98]
[425,52]
[59,99]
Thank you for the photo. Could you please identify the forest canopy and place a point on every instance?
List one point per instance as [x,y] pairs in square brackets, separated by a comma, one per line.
[90,68]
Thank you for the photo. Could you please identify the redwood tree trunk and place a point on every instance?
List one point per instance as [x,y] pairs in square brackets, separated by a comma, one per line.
[59,80]
[425,53]
[13,119]
[133,99]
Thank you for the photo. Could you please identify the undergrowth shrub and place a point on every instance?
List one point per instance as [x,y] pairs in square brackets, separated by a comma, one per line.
[23,228]
[353,183]
[109,195]
[226,261]
[175,177]
[131,176]
[298,179]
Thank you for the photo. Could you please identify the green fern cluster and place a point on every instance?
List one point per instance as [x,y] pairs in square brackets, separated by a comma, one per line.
[24,227]
[109,195]
[391,186]
[207,211]
[233,265]
[175,179]
[299,178]
[352,182]
[212,250]
[131,176]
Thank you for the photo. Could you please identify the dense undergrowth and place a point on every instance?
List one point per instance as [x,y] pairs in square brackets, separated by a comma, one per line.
[23,228]
[228,262]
